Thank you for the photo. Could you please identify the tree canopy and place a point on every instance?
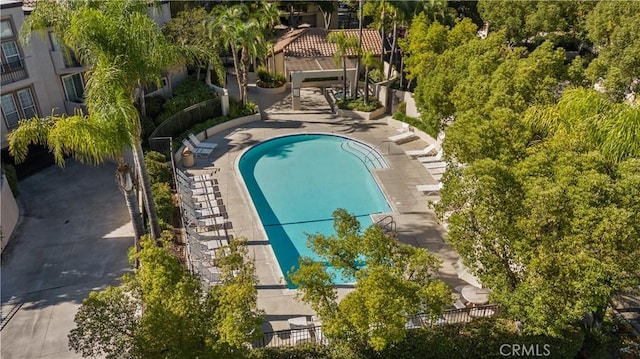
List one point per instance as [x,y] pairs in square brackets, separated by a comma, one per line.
[162,311]
[392,282]
[554,234]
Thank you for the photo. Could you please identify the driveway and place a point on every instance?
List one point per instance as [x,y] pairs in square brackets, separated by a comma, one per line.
[73,239]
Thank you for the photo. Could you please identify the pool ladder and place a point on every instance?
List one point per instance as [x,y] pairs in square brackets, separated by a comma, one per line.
[365,151]
[388,225]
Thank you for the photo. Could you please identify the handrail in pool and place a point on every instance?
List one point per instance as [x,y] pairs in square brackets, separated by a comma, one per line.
[379,160]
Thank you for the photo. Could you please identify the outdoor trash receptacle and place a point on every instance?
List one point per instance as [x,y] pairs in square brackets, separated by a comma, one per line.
[188,160]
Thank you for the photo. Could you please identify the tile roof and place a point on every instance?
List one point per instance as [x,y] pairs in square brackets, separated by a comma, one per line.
[312,42]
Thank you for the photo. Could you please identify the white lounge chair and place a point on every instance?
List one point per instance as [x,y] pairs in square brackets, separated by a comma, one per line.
[403,137]
[204,222]
[428,188]
[406,135]
[437,170]
[198,151]
[423,152]
[430,165]
[183,189]
[196,177]
[199,144]
[435,158]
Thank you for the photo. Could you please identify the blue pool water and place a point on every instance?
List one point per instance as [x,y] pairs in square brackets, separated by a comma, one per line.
[296,182]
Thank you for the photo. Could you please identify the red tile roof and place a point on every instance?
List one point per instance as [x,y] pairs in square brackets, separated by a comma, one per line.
[312,42]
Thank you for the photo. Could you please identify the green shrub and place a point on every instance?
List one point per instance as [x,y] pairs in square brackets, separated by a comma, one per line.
[236,109]
[263,74]
[358,104]
[423,126]
[189,92]
[268,80]
[12,178]
[158,168]
[163,200]
[154,105]
[303,351]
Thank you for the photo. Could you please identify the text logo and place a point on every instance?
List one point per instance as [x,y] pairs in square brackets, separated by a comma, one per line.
[523,350]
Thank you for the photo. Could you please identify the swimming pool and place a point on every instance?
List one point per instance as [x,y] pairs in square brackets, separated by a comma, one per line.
[297,181]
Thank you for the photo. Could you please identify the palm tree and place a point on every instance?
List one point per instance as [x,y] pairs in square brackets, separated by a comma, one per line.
[268,15]
[242,31]
[88,139]
[368,61]
[123,50]
[344,46]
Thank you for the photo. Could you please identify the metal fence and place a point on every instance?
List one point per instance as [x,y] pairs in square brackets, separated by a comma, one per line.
[313,334]
[185,119]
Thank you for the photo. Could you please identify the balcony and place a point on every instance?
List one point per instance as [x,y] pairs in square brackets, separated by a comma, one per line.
[13,71]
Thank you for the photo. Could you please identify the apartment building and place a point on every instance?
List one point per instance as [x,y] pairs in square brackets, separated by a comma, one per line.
[43,78]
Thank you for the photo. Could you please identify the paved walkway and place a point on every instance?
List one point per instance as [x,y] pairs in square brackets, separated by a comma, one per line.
[73,239]
[416,222]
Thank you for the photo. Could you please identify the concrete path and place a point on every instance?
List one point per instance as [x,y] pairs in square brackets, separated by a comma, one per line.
[73,239]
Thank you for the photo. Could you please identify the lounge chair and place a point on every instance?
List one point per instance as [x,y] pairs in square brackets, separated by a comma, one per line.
[194,185]
[435,158]
[428,188]
[183,189]
[423,152]
[406,135]
[196,177]
[430,165]
[198,151]
[437,170]
[204,222]
[203,212]
[199,144]
[403,137]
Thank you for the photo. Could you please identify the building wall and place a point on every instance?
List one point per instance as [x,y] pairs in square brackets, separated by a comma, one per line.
[9,210]
[45,67]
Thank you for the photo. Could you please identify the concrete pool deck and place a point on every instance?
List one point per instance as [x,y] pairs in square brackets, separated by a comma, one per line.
[416,222]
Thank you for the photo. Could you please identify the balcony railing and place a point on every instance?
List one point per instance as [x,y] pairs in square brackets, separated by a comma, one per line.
[13,71]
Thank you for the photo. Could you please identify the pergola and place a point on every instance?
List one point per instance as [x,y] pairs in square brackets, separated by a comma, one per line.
[305,54]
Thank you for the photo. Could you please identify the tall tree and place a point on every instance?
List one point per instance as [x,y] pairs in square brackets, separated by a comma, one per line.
[345,45]
[554,234]
[122,48]
[241,30]
[614,28]
[188,29]
[393,281]
[369,62]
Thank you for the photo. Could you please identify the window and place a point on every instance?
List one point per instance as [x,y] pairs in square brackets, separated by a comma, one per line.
[17,105]
[10,111]
[54,41]
[73,88]
[11,56]
[6,30]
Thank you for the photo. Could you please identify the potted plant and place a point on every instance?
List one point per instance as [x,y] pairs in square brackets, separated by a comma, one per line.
[270,83]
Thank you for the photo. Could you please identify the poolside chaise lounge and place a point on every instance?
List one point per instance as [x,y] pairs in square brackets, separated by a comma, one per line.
[196,177]
[199,144]
[423,152]
[437,170]
[427,188]
[436,158]
[403,137]
[198,151]
[430,165]
[406,135]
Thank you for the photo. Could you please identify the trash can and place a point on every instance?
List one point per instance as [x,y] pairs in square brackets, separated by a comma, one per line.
[188,160]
